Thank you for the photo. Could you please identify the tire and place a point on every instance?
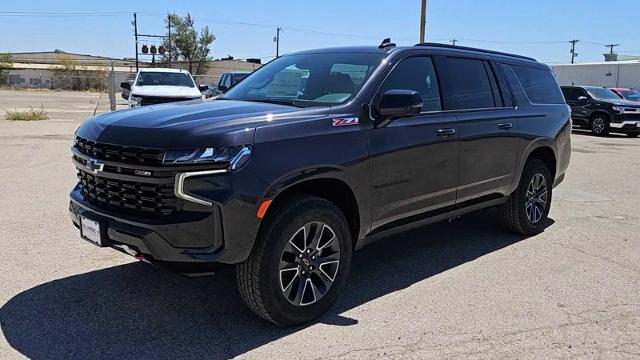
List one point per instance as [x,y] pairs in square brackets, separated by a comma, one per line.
[600,125]
[632,135]
[272,290]
[515,213]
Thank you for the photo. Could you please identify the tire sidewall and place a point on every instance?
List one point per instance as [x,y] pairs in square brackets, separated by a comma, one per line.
[311,210]
[533,168]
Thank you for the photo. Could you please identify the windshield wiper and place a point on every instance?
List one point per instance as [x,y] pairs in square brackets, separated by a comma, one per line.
[276,101]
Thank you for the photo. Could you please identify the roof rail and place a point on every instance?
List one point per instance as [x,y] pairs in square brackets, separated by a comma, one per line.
[447,46]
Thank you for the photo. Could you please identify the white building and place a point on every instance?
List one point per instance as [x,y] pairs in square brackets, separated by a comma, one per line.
[624,74]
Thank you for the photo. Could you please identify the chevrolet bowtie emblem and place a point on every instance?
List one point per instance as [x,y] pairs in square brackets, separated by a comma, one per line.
[94,166]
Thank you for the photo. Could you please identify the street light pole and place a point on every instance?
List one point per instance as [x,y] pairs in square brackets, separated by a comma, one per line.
[423,20]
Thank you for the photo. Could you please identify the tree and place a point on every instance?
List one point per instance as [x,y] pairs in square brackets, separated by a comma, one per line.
[6,63]
[187,44]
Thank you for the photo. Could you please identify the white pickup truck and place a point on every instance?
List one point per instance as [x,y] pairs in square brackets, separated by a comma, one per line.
[159,85]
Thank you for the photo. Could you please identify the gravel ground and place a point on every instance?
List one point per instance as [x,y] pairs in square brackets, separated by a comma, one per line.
[464,289]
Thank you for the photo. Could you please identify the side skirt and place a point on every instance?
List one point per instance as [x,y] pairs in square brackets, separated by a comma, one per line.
[430,217]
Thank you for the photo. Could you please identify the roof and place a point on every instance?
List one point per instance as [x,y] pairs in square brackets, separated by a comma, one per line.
[390,49]
[164,70]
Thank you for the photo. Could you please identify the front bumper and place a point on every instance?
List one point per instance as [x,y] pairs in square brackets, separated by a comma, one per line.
[626,126]
[191,240]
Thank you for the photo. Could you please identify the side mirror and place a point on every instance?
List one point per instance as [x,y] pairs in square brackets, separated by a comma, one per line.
[399,103]
[125,85]
[223,88]
[582,98]
[203,88]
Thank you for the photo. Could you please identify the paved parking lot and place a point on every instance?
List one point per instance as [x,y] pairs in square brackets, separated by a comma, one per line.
[464,289]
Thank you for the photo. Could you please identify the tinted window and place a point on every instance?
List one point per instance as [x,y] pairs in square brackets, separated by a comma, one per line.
[468,83]
[539,84]
[417,74]
[570,94]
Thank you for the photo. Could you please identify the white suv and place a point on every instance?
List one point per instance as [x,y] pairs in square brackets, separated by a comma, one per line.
[157,86]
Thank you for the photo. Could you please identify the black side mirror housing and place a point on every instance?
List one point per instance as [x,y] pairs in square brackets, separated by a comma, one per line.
[399,103]
[125,85]
[583,98]
[203,88]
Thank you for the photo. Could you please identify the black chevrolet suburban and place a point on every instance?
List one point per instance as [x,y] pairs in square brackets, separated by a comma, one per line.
[317,154]
[602,111]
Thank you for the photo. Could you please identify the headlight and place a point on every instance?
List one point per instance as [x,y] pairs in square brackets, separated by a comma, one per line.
[234,156]
[136,99]
[618,109]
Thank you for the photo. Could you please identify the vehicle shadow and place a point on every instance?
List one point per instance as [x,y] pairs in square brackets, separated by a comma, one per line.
[587,132]
[136,311]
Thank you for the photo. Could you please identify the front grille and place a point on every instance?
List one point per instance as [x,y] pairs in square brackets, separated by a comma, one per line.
[122,154]
[153,100]
[128,196]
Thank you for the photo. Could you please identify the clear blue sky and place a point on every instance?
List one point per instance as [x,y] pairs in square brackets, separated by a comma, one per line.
[539,28]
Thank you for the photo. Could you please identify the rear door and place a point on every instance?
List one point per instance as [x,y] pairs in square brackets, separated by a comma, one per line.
[414,159]
[487,132]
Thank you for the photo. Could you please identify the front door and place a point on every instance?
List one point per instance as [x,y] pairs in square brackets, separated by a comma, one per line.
[414,159]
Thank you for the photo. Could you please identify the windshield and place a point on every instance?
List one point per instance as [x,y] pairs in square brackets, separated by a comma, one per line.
[307,79]
[602,94]
[631,95]
[164,78]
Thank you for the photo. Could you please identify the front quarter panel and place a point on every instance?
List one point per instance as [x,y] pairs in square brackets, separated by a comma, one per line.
[289,153]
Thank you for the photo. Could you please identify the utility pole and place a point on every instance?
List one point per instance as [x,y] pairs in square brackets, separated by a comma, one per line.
[135,34]
[169,37]
[423,20]
[454,41]
[573,49]
[611,46]
[277,41]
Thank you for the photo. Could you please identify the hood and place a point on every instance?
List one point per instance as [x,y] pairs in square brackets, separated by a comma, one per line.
[166,91]
[187,125]
[622,102]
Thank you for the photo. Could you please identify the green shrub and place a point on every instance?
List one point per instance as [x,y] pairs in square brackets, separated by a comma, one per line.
[31,115]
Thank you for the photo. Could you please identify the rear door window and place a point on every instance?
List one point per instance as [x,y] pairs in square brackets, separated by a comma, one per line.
[539,85]
[469,85]
[417,74]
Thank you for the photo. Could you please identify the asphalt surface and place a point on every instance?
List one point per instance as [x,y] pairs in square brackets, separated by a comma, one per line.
[465,289]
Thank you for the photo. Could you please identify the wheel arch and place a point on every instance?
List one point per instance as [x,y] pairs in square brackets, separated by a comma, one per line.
[543,149]
[333,189]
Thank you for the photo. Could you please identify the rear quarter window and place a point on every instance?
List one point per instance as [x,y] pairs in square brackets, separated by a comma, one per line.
[540,85]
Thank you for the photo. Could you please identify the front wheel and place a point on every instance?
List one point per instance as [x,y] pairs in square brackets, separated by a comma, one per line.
[600,125]
[528,207]
[632,135]
[299,263]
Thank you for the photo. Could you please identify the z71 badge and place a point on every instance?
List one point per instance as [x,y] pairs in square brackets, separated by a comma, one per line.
[345,121]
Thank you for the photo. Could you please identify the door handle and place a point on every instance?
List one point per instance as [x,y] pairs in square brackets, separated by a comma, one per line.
[505,125]
[446,132]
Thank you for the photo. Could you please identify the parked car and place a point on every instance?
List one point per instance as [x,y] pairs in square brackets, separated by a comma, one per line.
[285,181]
[602,111]
[227,80]
[627,94]
[158,86]
[126,91]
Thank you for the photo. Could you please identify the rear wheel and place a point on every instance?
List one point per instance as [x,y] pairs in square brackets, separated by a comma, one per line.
[299,263]
[528,207]
[600,125]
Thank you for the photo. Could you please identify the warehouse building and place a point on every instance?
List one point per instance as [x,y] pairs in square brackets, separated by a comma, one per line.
[621,73]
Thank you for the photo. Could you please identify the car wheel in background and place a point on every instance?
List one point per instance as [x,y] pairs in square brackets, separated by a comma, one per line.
[600,125]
